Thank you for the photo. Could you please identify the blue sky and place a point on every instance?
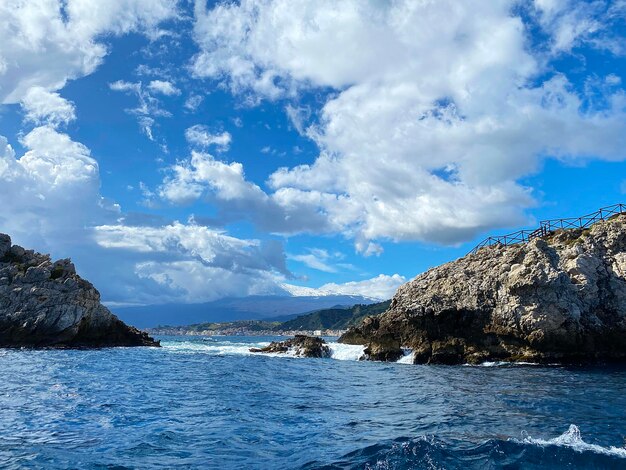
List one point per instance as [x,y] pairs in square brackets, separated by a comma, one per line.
[184,152]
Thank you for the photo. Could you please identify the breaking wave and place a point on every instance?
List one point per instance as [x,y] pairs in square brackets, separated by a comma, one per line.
[573,440]
[345,352]
[215,347]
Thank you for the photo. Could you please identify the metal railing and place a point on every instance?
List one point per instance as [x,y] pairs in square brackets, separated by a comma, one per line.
[546,227]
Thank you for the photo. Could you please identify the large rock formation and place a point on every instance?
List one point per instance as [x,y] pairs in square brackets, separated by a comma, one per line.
[561,298]
[46,304]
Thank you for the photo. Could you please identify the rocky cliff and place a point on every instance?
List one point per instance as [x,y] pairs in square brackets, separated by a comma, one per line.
[46,304]
[561,298]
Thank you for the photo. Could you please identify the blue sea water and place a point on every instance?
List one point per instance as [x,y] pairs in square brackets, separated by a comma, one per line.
[208,403]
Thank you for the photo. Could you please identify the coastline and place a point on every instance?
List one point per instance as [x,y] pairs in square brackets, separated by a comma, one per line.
[187,331]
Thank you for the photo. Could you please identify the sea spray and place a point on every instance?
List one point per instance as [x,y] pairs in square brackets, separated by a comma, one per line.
[345,352]
[408,357]
[573,440]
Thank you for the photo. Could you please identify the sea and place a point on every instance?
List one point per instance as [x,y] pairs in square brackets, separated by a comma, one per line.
[207,402]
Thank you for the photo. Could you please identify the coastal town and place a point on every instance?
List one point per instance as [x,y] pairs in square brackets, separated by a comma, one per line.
[231,329]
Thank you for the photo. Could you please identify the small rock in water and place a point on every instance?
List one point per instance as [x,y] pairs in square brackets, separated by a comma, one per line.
[300,345]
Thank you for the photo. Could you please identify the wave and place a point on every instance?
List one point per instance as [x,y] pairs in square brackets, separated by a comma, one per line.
[572,439]
[338,351]
[507,364]
[212,348]
[408,357]
[565,451]
[345,352]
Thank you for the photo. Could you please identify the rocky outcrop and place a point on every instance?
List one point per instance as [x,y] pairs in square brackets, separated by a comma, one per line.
[299,345]
[46,304]
[561,298]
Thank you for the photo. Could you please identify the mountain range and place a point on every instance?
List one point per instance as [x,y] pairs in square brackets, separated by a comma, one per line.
[276,308]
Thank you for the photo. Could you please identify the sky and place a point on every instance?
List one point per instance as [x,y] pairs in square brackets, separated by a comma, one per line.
[182,152]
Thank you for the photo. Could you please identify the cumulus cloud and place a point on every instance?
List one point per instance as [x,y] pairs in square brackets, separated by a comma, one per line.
[42,106]
[40,188]
[201,136]
[45,43]
[438,110]
[381,287]
[285,211]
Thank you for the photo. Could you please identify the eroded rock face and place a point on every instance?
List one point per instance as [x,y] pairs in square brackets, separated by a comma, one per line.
[46,304]
[557,299]
[299,345]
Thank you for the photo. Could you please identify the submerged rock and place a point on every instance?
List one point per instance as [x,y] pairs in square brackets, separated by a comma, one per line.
[46,304]
[561,299]
[299,345]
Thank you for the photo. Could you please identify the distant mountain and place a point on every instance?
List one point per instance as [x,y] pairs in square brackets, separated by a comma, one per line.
[230,309]
[334,318]
[326,319]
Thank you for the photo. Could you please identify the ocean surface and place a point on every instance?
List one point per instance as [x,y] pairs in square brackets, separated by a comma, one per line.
[208,403]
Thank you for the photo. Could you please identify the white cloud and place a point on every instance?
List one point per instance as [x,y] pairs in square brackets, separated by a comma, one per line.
[191,179]
[317,259]
[163,87]
[44,43]
[192,263]
[286,211]
[193,102]
[438,110]
[299,117]
[202,137]
[381,287]
[572,23]
[40,191]
[42,106]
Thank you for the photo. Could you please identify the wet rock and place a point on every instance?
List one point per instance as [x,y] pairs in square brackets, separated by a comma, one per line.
[45,304]
[299,345]
[557,299]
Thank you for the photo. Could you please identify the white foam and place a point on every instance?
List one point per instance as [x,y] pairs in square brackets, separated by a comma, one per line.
[214,349]
[503,364]
[572,439]
[345,352]
[408,357]
[338,351]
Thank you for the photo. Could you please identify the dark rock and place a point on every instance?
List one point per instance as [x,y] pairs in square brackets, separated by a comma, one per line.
[5,245]
[559,299]
[299,345]
[47,305]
